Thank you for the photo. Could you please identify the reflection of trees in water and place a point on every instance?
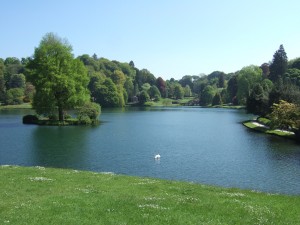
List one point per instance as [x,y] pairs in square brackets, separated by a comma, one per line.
[283,149]
[62,147]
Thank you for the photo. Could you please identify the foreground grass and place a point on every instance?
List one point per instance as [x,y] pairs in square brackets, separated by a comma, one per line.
[55,196]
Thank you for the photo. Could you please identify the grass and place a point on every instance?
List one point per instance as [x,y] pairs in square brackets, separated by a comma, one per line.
[56,196]
[249,124]
[264,121]
[21,106]
[169,102]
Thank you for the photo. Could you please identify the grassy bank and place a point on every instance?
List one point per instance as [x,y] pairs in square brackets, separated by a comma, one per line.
[55,196]
[258,126]
[21,106]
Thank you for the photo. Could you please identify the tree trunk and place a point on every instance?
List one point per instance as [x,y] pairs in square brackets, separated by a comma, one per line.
[60,113]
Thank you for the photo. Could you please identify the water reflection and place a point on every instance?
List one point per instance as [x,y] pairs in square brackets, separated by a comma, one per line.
[200,145]
[60,146]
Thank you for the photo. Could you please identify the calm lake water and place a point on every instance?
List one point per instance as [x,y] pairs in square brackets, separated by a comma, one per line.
[199,145]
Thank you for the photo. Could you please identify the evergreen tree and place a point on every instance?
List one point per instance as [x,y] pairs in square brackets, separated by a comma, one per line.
[279,65]
[258,100]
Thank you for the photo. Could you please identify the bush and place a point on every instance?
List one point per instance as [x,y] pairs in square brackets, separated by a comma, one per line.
[14,96]
[68,117]
[30,119]
[53,117]
[90,109]
[85,120]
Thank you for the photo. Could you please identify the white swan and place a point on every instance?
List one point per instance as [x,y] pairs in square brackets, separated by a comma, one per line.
[157,156]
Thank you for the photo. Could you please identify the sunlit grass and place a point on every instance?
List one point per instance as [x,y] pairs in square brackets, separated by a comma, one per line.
[21,106]
[253,125]
[56,196]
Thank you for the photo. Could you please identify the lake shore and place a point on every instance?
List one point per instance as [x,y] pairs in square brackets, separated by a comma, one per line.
[256,125]
[21,106]
[33,195]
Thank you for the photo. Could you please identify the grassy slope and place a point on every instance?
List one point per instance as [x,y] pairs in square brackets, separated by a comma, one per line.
[55,196]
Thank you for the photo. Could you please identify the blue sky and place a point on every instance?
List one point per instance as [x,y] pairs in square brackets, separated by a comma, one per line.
[171,38]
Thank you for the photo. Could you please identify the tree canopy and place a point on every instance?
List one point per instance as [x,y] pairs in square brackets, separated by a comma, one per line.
[60,80]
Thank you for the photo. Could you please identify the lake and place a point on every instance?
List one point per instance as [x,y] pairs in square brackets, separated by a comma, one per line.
[200,145]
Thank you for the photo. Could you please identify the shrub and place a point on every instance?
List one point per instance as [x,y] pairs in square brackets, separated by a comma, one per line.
[30,119]
[68,117]
[90,109]
[85,120]
[53,117]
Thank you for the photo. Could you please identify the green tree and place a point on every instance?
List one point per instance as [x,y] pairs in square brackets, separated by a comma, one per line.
[14,96]
[106,94]
[257,102]
[294,63]
[207,95]
[154,93]
[129,87]
[232,88]
[178,91]
[221,81]
[146,87]
[186,80]
[217,99]
[60,80]
[143,97]
[284,115]
[118,78]
[144,76]
[247,78]
[17,81]
[279,64]
[90,109]
[187,91]
[243,90]
[2,82]
[293,75]
[131,63]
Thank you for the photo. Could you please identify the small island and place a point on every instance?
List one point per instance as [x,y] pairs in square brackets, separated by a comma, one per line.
[283,121]
[60,83]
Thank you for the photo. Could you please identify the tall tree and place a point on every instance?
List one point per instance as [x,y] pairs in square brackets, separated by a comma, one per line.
[154,93]
[247,78]
[279,64]
[60,80]
[207,95]
[258,101]
[221,81]
[2,82]
[178,91]
[232,88]
[161,85]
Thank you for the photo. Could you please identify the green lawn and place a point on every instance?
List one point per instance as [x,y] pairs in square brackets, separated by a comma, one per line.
[56,196]
[267,130]
[21,106]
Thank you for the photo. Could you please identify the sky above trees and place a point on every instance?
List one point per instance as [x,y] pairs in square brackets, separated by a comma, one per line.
[170,38]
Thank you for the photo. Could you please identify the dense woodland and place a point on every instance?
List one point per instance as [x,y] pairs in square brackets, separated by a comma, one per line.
[261,89]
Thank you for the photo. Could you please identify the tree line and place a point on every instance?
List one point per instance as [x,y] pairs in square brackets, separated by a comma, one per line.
[53,78]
